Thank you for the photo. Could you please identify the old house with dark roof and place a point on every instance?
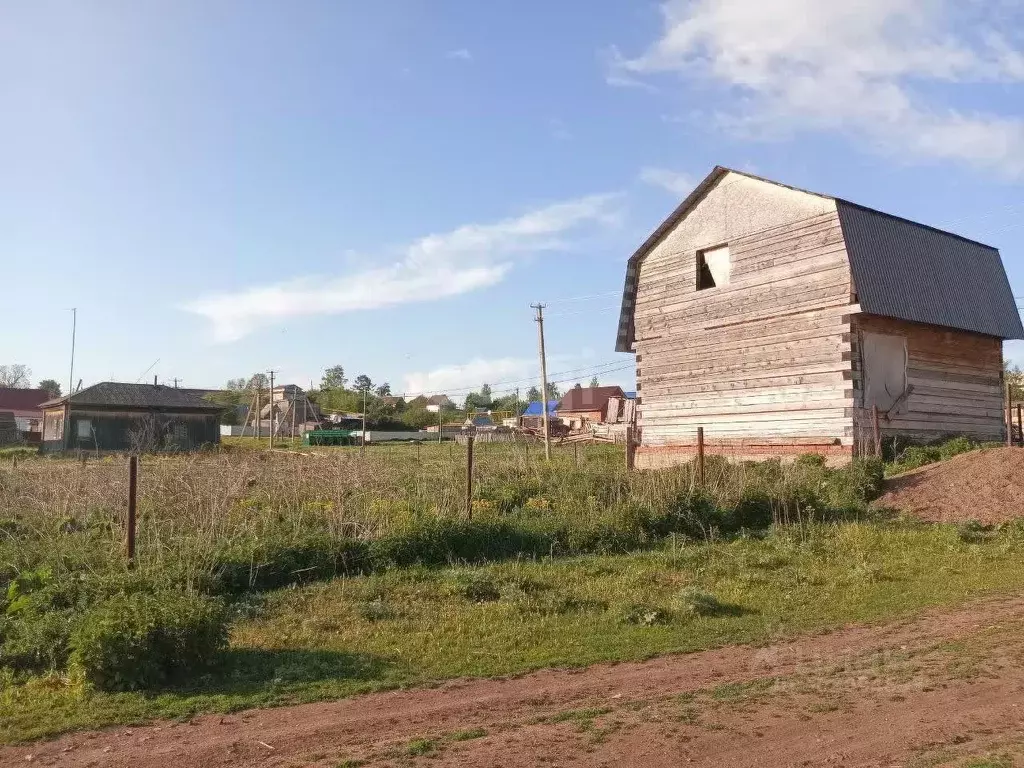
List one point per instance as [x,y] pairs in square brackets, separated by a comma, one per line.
[112,416]
[777,319]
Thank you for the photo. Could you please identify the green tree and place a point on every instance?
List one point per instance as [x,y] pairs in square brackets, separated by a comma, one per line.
[384,390]
[533,394]
[258,381]
[51,386]
[362,383]
[554,393]
[416,416]
[594,382]
[334,378]
[236,385]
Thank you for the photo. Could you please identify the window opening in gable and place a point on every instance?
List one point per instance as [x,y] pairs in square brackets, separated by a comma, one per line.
[713,267]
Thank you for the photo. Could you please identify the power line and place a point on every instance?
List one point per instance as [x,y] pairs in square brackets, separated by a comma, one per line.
[599,369]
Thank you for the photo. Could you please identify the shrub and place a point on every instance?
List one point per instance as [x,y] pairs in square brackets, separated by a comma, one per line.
[279,561]
[145,640]
[644,615]
[477,587]
[696,602]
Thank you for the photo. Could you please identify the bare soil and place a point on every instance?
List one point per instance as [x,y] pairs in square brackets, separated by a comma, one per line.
[935,690]
[986,485]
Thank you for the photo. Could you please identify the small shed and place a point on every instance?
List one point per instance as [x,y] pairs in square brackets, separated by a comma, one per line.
[114,416]
[533,415]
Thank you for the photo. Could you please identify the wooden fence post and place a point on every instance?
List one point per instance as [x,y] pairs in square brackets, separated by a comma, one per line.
[700,457]
[1009,418]
[469,476]
[630,450]
[1020,425]
[876,433]
[133,486]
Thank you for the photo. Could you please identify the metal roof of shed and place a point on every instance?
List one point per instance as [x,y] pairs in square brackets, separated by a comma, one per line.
[900,268]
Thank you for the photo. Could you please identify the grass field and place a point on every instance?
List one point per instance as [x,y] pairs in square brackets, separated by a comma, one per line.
[345,571]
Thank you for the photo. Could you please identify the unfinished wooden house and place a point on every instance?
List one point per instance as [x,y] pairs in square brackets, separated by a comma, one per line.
[775,318]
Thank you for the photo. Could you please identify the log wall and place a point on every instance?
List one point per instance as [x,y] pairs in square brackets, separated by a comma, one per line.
[955,378]
[762,363]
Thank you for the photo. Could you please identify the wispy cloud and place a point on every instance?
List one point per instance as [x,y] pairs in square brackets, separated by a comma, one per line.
[505,374]
[453,379]
[869,69]
[461,54]
[434,267]
[559,130]
[677,184]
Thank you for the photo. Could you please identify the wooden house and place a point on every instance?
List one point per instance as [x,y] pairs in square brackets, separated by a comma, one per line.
[776,319]
[113,416]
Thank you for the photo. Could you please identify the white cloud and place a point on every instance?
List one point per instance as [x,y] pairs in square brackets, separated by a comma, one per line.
[453,379]
[678,184]
[867,68]
[434,267]
[461,54]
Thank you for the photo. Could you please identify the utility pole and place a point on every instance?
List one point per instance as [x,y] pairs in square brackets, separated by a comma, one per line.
[176,380]
[273,421]
[543,380]
[71,373]
[362,445]
[440,424]
[519,422]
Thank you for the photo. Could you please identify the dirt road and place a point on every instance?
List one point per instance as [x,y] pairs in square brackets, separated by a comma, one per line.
[943,689]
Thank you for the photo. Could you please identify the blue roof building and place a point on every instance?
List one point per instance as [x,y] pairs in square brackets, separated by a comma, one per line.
[536,408]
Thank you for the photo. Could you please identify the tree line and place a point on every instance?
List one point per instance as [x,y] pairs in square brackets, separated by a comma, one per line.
[18,376]
[384,410]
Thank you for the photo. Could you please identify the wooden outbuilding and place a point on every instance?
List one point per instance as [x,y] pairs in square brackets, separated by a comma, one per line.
[113,416]
[778,319]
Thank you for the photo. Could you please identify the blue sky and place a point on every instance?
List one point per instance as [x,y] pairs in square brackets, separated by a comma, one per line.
[228,187]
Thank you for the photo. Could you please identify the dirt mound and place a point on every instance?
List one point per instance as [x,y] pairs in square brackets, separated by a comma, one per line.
[985,485]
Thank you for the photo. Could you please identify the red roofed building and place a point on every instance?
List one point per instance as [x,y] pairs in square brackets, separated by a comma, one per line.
[24,405]
[582,405]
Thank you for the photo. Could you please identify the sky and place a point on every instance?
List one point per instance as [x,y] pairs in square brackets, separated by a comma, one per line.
[224,187]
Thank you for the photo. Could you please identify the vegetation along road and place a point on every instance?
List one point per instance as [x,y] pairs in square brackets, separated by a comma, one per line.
[582,615]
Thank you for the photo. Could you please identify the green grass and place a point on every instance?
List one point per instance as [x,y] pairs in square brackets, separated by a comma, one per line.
[320,642]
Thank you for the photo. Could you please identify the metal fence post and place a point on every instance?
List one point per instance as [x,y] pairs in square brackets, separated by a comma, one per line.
[700,457]
[469,475]
[133,486]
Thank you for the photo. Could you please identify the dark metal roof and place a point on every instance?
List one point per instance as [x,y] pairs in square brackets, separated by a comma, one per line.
[914,272]
[16,399]
[118,394]
[901,269]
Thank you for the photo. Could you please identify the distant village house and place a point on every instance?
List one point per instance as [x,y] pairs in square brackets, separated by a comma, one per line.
[113,416]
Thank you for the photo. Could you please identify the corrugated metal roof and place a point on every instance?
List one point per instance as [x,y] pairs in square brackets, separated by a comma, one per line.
[16,399]
[536,408]
[901,269]
[913,272]
[114,393]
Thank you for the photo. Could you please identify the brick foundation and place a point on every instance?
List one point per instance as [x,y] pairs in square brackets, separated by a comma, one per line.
[656,456]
